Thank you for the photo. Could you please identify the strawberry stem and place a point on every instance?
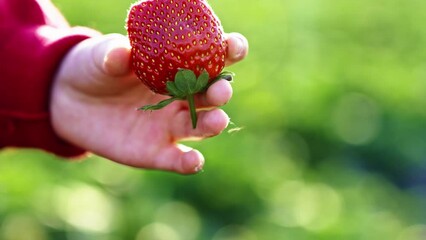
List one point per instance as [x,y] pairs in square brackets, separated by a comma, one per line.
[192,110]
[184,87]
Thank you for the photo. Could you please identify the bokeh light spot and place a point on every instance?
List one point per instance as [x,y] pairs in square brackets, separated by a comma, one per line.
[21,227]
[314,206]
[85,208]
[416,232]
[157,231]
[183,218]
[356,119]
[235,232]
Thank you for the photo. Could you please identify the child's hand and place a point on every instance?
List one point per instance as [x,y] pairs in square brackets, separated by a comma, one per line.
[95,97]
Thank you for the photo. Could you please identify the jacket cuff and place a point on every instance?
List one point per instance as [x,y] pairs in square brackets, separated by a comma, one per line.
[34,55]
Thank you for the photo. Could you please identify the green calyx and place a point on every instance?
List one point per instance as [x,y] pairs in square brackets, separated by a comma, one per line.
[185,86]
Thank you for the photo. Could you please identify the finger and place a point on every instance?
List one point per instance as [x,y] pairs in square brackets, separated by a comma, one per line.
[117,57]
[210,123]
[237,48]
[178,158]
[111,55]
[217,94]
[109,69]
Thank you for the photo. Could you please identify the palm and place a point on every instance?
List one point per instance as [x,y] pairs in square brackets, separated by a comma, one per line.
[116,130]
[112,127]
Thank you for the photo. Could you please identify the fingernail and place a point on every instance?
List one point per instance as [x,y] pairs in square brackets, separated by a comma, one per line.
[240,47]
[199,168]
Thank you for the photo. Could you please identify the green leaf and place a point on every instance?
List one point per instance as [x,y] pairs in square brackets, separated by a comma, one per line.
[202,81]
[228,76]
[174,91]
[159,105]
[186,81]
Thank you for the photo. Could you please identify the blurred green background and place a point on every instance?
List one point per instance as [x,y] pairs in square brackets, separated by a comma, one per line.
[331,106]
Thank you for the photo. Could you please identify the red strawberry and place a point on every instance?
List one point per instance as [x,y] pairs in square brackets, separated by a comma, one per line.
[178,48]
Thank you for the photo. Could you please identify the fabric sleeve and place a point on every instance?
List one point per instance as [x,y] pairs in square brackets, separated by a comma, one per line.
[33,42]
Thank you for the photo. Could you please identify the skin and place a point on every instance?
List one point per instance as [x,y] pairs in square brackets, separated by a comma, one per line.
[94,100]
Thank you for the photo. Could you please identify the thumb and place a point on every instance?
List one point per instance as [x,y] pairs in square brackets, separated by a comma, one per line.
[110,55]
[237,48]
[99,65]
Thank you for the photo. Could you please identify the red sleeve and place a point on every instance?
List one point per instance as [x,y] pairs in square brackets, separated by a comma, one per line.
[34,38]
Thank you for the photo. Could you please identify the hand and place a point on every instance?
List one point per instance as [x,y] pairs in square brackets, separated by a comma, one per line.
[94,104]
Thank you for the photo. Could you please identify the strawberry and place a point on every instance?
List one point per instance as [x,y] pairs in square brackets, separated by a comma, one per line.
[178,48]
